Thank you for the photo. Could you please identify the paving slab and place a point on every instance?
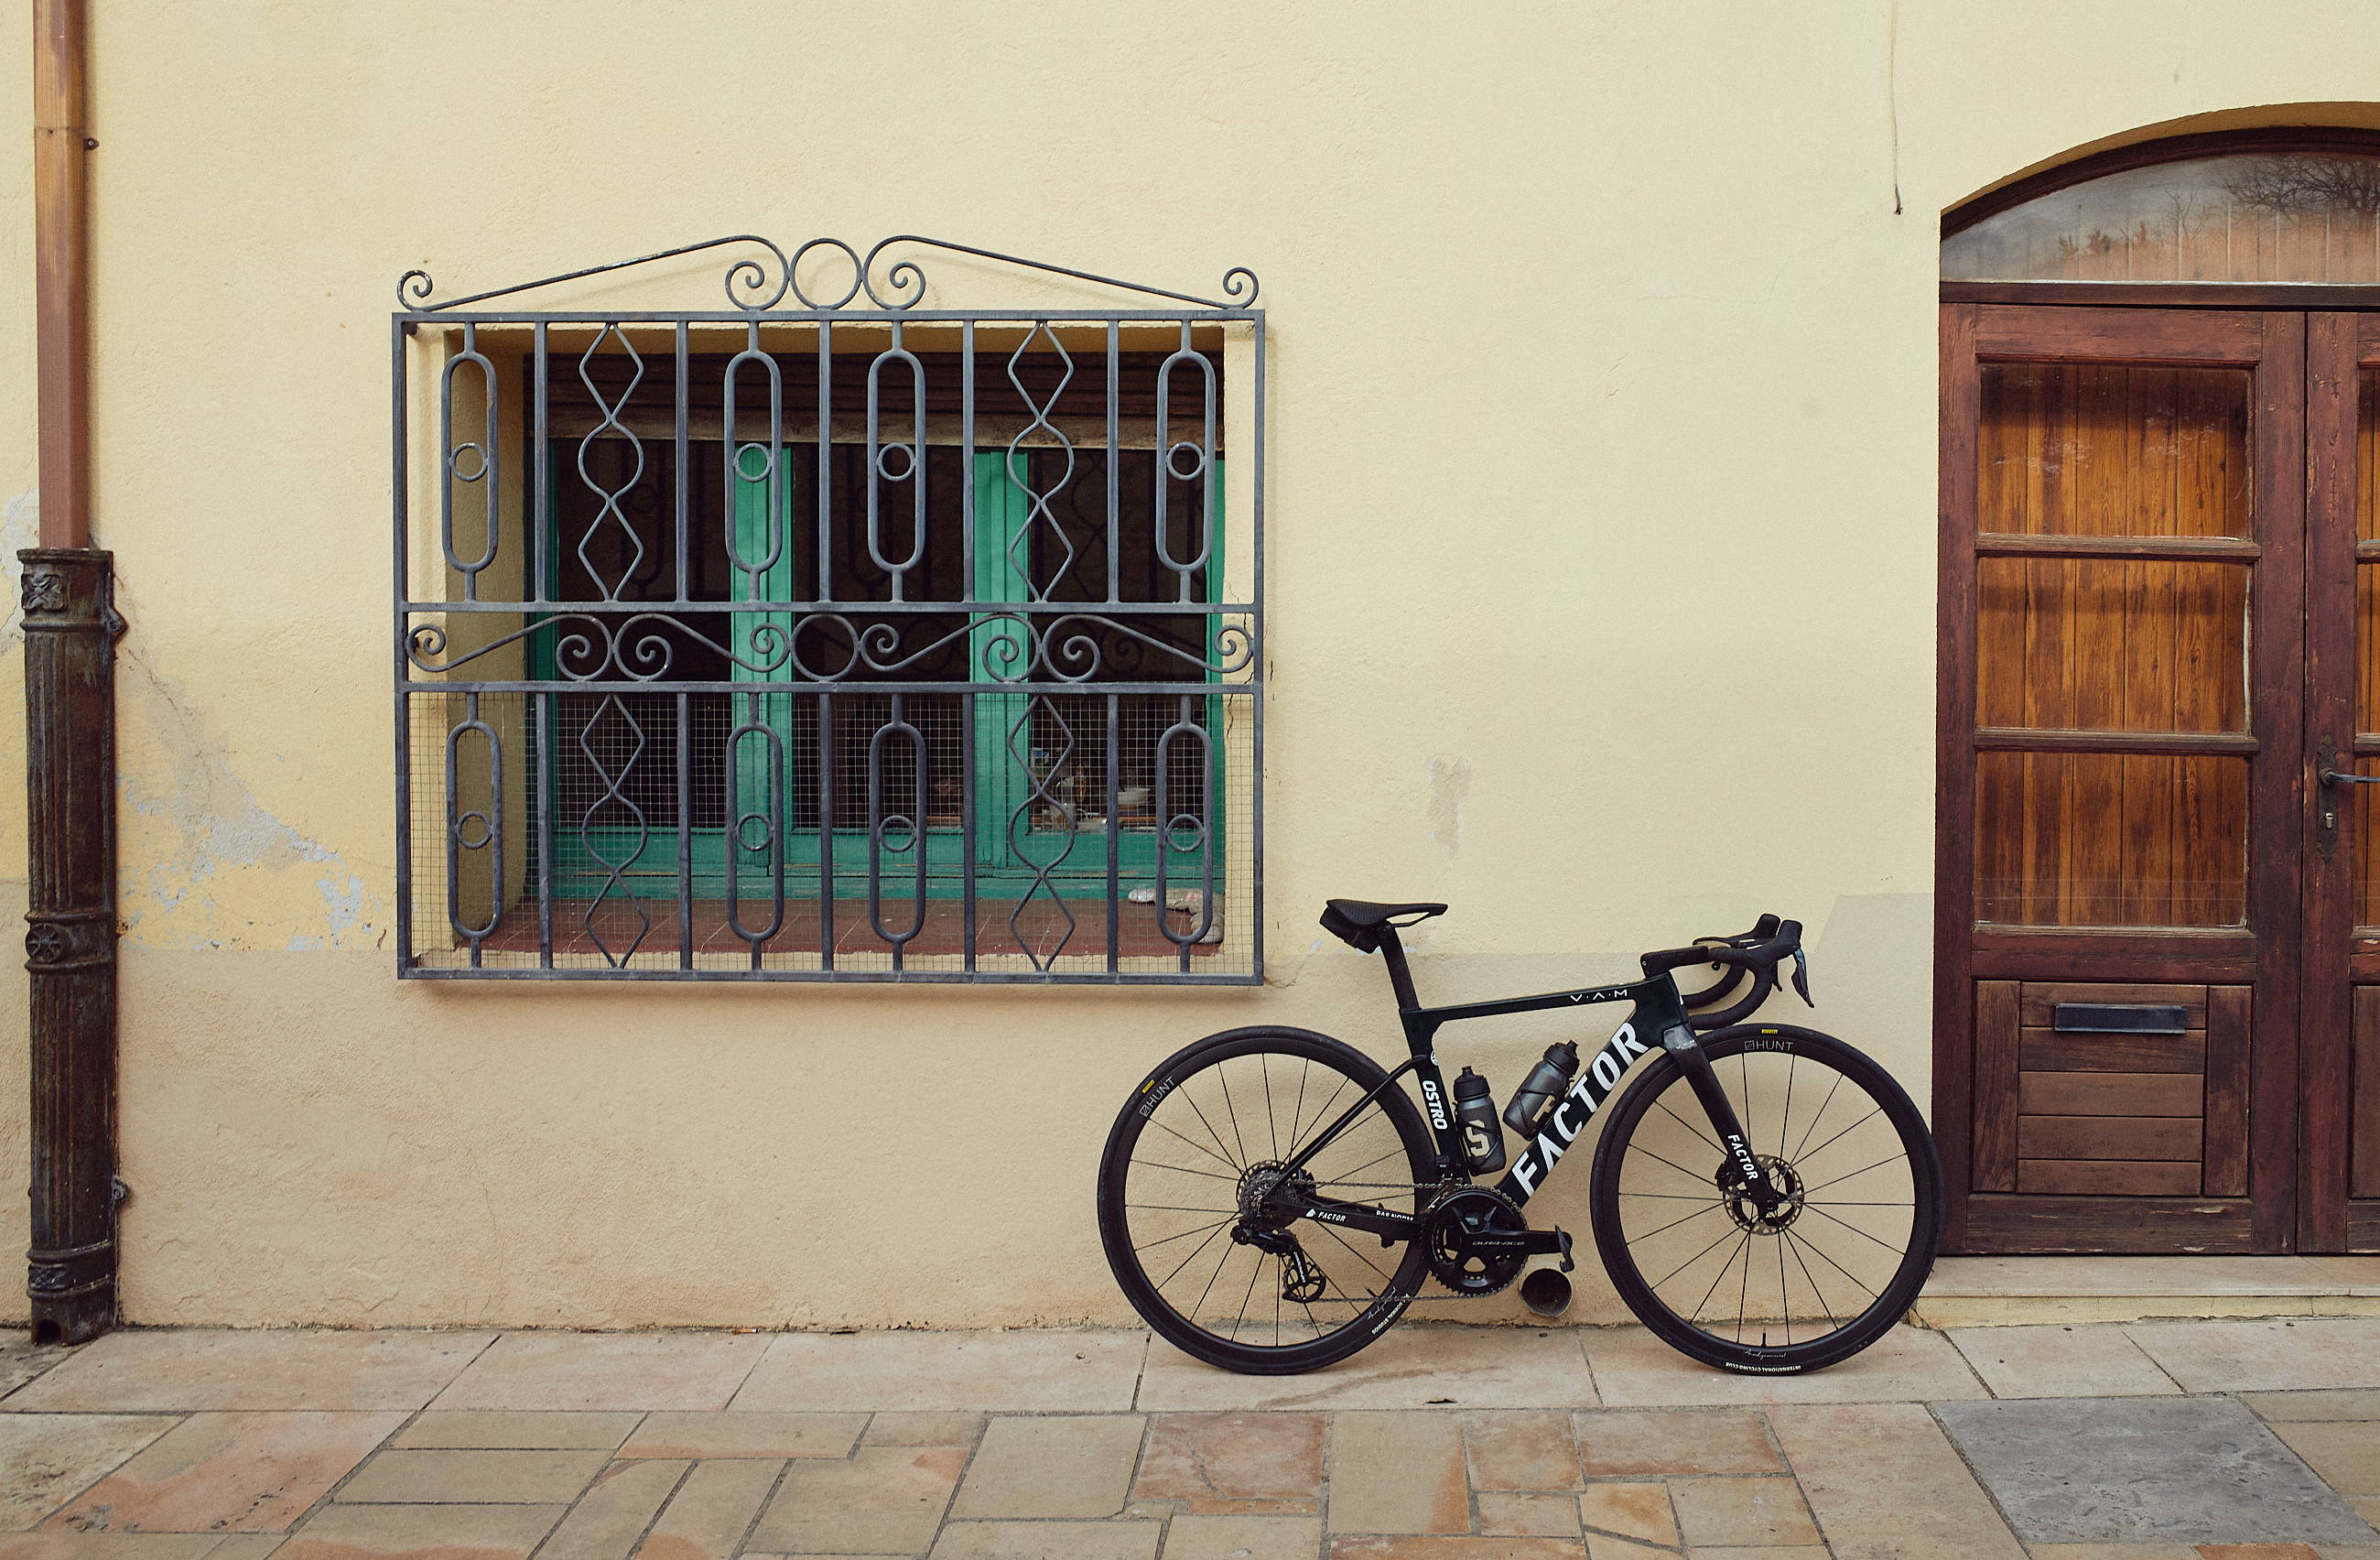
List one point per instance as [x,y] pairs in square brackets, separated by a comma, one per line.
[1052,1466]
[881,1500]
[1883,1482]
[612,1517]
[137,1371]
[2264,1355]
[1520,1449]
[1054,1371]
[1633,1367]
[1397,1473]
[420,1532]
[474,1478]
[2061,1362]
[614,1370]
[2346,1455]
[1628,1510]
[911,1429]
[57,1545]
[1741,1511]
[2141,1470]
[217,1472]
[1625,1442]
[22,1358]
[47,1459]
[2339,1403]
[1049,1540]
[526,1430]
[1410,1367]
[670,1434]
[1465,1548]
[1521,1513]
[713,1510]
[1243,1538]
[1232,1457]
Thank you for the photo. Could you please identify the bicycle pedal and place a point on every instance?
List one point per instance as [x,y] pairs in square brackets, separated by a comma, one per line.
[1567,1265]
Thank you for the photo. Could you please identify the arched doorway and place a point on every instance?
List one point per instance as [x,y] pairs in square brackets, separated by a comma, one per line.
[2158,926]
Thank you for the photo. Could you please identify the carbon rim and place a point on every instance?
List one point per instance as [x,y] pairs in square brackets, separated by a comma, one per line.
[1201,1162]
[1814,1270]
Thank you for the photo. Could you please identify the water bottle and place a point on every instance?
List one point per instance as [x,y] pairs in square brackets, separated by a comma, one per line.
[1474,1106]
[1544,1085]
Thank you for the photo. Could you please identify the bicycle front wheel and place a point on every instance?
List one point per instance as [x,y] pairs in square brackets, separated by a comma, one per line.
[1815,1278]
[1193,1159]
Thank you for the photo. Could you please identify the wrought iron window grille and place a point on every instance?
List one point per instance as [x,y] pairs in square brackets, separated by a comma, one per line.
[829,636]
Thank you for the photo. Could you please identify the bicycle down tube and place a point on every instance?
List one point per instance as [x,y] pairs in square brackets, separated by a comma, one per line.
[1658,1010]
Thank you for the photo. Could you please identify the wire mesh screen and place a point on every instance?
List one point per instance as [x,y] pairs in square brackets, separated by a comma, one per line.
[817,642]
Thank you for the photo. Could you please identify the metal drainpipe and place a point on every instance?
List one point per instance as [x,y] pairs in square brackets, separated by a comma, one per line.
[70,631]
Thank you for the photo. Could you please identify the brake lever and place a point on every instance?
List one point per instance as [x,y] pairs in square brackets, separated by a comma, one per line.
[1802,976]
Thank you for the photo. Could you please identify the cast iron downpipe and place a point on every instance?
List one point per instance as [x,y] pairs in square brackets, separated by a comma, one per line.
[70,630]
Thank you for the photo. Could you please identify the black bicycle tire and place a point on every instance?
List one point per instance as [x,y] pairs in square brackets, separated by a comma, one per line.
[1893,1302]
[1116,1241]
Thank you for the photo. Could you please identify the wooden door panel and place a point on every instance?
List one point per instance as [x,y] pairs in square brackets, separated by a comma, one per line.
[2122,788]
[2069,839]
[2054,1120]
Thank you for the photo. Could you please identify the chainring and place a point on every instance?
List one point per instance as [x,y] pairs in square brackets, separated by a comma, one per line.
[1452,1229]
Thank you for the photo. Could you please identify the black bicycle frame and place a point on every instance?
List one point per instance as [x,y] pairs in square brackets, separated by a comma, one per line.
[1658,1011]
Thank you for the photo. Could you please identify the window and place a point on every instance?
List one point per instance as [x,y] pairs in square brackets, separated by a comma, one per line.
[2276,212]
[811,643]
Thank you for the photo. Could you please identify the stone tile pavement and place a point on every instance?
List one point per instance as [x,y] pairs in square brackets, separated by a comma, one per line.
[2232,1440]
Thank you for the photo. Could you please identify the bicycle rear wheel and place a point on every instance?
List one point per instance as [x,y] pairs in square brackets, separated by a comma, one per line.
[1192,1153]
[1819,1277]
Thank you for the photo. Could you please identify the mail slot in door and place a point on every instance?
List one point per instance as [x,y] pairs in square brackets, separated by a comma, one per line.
[2117,1017]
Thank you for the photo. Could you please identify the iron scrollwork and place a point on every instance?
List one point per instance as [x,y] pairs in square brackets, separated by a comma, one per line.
[884,640]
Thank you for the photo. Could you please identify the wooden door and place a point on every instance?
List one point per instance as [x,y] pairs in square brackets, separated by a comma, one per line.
[2339,1148]
[2123,781]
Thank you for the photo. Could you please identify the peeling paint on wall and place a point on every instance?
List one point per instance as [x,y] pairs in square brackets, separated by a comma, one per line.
[215,868]
[20,526]
[1449,788]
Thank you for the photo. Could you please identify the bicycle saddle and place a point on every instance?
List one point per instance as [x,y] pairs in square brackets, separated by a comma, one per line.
[1357,922]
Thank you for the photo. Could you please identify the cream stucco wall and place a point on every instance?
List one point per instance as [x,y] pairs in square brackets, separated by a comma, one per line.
[1602,561]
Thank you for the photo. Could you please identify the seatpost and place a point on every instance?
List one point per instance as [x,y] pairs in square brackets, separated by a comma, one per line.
[1393,949]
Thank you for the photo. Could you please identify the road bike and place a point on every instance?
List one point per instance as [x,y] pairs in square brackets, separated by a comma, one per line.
[1766,1198]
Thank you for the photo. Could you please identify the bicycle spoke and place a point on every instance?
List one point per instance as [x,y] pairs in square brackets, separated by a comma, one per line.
[1896,1250]
[1706,1208]
[1639,1148]
[1357,1255]
[1811,1130]
[1297,1139]
[1297,1111]
[1805,1158]
[1202,1148]
[1689,1126]
[1785,1128]
[1272,1129]
[1226,1155]
[1177,1208]
[1815,1247]
[1696,1313]
[1222,1077]
[1184,1235]
[1863,1170]
[1192,1257]
[1157,1164]
[1241,1321]
[1744,1293]
[1825,1307]
[1689,1262]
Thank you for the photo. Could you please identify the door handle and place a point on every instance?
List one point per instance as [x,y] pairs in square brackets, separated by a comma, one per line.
[2340,777]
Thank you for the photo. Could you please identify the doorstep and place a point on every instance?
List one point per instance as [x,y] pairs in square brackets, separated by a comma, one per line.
[2017,1291]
